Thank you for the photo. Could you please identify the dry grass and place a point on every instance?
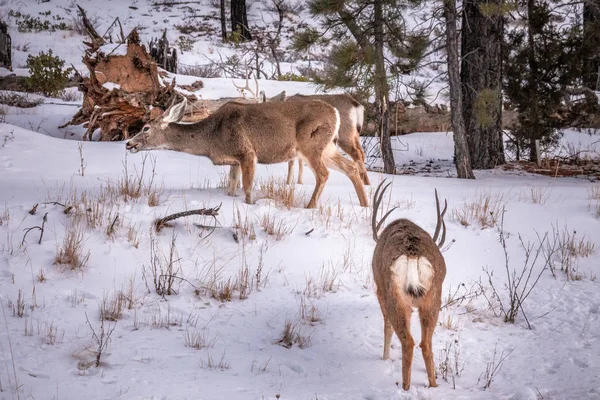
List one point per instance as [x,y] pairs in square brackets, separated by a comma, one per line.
[111,308]
[484,210]
[308,310]
[71,253]
[165,271]
[221,365]
[197,339]
[41,277]
[133,236]
[449,323]
[132,299]
[274,226]
[292,334]
[243,226]
[284,195]
[569,247]
[159,319]
[50,333]
[536,195]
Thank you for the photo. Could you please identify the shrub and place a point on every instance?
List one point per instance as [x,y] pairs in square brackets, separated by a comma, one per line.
[47,74]
[291,77]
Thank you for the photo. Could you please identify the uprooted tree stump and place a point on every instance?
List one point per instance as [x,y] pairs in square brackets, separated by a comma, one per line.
[124,89]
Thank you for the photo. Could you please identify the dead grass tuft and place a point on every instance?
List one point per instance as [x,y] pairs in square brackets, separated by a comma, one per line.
[292,334]
[111,308]
[197,339]
[71,253]
[274,226]
[484,210]
[284,195]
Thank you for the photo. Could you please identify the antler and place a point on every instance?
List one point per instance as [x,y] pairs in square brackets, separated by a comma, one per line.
[440,221]
[247,87]
[377,197]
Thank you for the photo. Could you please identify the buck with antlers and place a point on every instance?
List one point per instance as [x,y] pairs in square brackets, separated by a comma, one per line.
[247,134]
[408,269]
[351,122]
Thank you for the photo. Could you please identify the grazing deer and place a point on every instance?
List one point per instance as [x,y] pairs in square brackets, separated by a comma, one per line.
[246,134]
[408,269]
[351,122]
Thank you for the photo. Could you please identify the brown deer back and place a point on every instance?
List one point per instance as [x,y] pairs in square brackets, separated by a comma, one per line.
[273,132]
[351,114]
[405,238]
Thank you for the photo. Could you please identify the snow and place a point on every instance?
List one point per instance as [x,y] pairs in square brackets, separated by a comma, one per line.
[111,85]
[343,361]
[321,265]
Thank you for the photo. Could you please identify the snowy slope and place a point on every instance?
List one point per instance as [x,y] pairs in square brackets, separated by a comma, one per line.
[343,361]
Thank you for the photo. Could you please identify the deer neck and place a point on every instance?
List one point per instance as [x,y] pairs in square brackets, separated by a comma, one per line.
[197,138]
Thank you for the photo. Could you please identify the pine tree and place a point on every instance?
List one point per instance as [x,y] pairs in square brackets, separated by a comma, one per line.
[368,49]
[542,67]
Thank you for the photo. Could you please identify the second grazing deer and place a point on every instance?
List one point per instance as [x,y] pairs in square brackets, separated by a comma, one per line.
[351,122]
[247,134]
[408,269]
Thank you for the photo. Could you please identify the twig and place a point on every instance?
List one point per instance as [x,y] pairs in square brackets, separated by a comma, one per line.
[33,209]
[210,212]
[41,228]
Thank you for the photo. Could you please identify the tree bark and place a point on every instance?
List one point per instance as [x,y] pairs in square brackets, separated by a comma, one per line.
[223,21]
[239,19]
[591,37]
[533,75]
[382,92]
[481,79]
[461,147]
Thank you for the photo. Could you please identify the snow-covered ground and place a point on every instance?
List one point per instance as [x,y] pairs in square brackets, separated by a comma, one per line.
[311,268]
[328,269]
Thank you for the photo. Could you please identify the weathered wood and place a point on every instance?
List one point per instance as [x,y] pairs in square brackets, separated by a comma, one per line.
[164,56]
[123,90]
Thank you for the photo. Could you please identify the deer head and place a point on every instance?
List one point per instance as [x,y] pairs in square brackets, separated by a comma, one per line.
[154,133]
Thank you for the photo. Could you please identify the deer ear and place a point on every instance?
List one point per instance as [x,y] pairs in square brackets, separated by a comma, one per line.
[176,112]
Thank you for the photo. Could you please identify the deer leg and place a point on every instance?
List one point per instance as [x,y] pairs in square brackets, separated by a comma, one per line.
[360,161]
[300,170]
[290,177]
[339,162]
[248,166]
[321,175]
[402,327]
[428,320]
[234,179]
[388,332]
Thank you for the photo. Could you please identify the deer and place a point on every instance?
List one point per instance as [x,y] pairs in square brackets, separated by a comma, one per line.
[352,119]
[244,134]
[408,270]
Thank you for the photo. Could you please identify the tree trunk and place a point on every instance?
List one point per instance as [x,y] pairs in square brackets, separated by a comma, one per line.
[461,147]
[5,47]
[239,19]
[382,93]
[591,35]
[533,76]
[223,21]
[481,82]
